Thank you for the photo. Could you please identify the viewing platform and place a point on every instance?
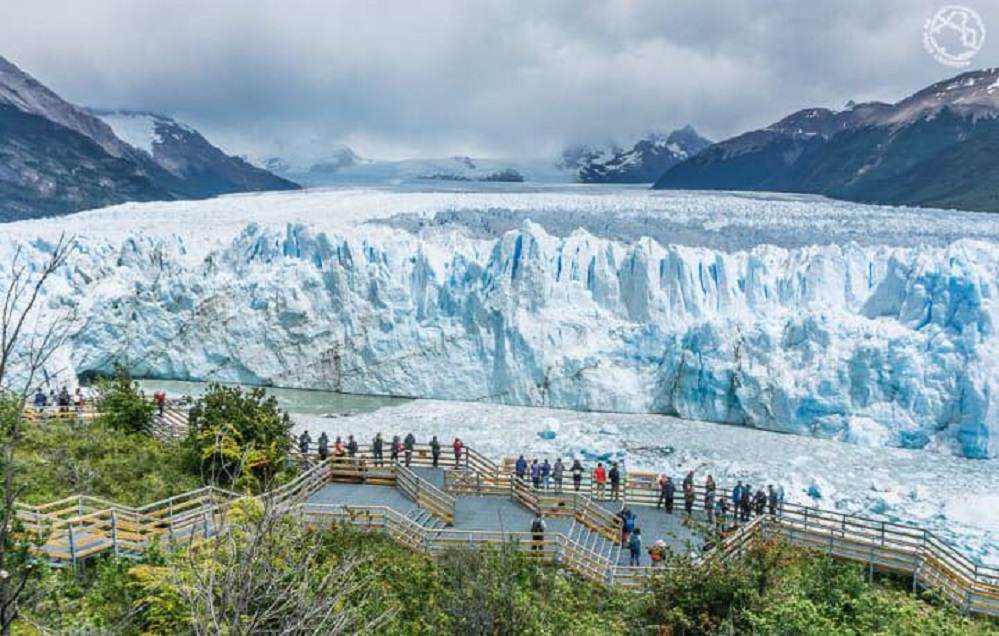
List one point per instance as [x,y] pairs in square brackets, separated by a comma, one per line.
[478,503]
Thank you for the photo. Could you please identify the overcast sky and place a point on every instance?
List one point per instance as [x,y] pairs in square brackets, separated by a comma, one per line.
[480,77]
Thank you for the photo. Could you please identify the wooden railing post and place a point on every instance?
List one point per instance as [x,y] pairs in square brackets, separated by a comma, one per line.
[72,546]
[114,531]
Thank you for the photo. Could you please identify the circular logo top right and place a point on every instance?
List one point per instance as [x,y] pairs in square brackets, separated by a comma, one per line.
[954,35]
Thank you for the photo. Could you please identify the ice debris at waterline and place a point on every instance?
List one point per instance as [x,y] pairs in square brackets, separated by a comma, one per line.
[874,344]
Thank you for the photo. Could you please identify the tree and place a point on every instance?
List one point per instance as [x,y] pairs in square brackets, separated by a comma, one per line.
[123,408]
[239,436]
[26,345]
[265,572]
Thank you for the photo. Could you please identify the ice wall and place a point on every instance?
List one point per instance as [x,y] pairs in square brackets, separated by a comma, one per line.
[889,346]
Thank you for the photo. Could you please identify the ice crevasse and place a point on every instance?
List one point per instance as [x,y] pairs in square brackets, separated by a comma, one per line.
[876,345]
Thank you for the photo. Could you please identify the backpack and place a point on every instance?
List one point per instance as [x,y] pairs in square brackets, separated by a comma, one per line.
[538,526]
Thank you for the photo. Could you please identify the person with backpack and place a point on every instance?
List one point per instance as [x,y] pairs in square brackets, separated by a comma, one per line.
[536,474]
[737,496]
[376,450]
[435,450]
[577,474]
[323,446]
[709,498]
[668,495]
[760,502]
[351,446]
[537,532]
[615,482]
[304,441]
[546,471]
[628,520]
[520,468]
[657,553]
[635,547]
[600,479]
[557,472]
[457,447]
[746,503]
[409,444]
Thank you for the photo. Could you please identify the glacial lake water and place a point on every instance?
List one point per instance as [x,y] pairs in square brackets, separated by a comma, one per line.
[294,401]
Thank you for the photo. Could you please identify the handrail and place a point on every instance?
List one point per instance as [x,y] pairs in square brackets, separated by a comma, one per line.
[425,494]
[80,526]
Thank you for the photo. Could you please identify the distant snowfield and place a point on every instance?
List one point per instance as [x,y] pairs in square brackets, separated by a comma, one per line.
[955,497]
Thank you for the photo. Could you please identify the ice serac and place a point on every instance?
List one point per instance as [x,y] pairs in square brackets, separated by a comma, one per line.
[878,345]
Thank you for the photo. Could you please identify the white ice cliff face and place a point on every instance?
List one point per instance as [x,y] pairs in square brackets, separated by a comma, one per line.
[880,345]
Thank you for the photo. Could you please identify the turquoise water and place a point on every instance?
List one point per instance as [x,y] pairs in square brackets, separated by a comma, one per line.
[291,400]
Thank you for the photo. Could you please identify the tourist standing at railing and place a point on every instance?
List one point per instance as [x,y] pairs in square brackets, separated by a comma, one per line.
[635,547]
[577,474]
[600,479]
[615,482]
[537,531]
[760,502]
[377,450]
[520,468]
[557,472]
[395,450]
[304,441]
[79,400]
[667,493]
[688,494]
[351,446]
[160,399]
[64,400]
[410,443]
[40,400]
[745,502]
[709,498]
[457,447]
[546,474]
[772,499]
[737,497]
[536,474]
[324,446]
[780,498]
[435,450]
[339,449]
[721,513]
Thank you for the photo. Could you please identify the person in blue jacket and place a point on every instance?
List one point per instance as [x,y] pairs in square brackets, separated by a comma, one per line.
[536,474]
[521,467]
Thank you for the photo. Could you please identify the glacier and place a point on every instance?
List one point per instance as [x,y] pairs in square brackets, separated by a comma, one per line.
[870,325]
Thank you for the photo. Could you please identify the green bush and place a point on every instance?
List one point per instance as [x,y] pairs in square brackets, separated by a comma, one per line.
[58,460]
[122,405]
[240,437]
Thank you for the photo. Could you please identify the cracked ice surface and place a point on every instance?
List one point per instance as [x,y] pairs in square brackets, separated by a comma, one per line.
[862,324]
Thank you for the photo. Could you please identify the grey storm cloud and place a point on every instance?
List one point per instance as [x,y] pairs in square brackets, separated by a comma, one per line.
[475,76]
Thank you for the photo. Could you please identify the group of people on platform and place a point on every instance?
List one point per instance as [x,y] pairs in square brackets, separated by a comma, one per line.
[745,501]
[545,475]
[63,399]
[400,450]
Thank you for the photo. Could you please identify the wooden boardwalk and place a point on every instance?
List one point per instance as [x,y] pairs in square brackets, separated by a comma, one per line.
[479,503]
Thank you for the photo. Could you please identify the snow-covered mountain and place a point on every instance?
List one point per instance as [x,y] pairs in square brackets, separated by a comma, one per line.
[340,165]
[631,301]
[56,157]
[934,148]
[201,169]
[646,161]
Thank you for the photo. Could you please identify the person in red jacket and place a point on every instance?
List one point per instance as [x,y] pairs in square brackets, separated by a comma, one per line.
[458,447]
[600,479]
